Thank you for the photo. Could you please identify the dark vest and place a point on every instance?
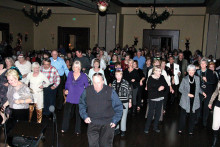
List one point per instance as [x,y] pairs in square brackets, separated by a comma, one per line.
[99,105]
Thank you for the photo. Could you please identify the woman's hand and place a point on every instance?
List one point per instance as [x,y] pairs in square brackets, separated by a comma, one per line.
[204,79]
[19,101]
[161,88]
[190,95]
[129,104]
[41,87]
[210,106]
[146,88]
[132,80]
[141,82]
[204,94]
[171,89]
[66,92]
[6,84]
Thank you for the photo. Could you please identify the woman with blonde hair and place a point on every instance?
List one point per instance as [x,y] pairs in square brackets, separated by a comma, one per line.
[9,62]
[37,81]
[19,97]
[76,82]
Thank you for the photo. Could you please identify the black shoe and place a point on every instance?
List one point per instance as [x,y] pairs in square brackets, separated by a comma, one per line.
[180,132]
[157,130]
[122,133]
[117,131]
[146,131]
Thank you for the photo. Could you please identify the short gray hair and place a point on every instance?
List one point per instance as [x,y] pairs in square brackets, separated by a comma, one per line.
[35,64]
[204,59]
[191,66]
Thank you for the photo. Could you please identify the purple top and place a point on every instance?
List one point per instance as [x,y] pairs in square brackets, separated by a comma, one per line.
[75,87]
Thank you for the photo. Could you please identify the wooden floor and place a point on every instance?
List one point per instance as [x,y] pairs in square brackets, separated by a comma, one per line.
[135,136]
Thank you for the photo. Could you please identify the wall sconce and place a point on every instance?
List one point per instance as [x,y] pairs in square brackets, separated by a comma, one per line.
[52,37]
[11,37]
[135,40]
[26,36]
[19,38]
[187,42]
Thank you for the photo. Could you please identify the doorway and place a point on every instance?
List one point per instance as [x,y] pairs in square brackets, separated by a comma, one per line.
[158,39]
[74,38]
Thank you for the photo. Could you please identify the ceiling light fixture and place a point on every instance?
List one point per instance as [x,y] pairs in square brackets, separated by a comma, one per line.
[35,15]
[154,18]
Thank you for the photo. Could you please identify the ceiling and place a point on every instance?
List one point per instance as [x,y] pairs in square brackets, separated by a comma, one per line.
[213,6]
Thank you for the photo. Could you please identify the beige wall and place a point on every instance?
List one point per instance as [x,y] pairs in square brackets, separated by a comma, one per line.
[190,22]
[42,33]
[18,23]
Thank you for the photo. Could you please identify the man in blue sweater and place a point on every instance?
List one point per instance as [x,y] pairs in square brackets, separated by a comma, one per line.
[101,108]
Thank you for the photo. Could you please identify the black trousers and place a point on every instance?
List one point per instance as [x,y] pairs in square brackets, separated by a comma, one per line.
[154,110]
[17,115]
[204,109]
[68,113]
[167,91]
[182,120]
[49,99]
[60,98]
[175,94]
[100,135]
[139,96]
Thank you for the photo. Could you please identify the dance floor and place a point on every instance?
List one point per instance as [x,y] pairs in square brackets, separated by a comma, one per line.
[135,136]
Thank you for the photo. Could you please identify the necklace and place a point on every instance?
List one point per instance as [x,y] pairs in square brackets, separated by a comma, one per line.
[192,80]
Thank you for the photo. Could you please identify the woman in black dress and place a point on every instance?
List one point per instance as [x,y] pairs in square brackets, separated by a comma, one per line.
[3,91]
[131,75]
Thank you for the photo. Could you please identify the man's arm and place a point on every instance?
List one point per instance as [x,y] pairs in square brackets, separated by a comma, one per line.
[117,106]
[83,106]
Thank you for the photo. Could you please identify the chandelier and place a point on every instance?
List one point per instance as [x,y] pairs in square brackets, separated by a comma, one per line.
[35,15]
[102,5]
[154,18]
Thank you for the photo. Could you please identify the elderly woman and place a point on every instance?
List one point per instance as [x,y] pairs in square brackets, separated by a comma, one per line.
[131,75]
[76,82]
[24,66]
[9,62]
[123,89]
[157,86]
[37,81]
[96,69]
[189,102]
[216,113]
[19,97]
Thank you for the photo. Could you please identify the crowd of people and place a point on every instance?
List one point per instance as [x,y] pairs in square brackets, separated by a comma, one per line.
[118,83]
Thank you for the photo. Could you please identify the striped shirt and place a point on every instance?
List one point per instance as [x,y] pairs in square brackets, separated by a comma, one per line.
[52,75]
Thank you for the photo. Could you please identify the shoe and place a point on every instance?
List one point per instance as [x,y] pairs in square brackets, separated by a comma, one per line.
[63,132]
[117,131]
[157,130]
[191,133]
[180,132]
[77,133]
[146,131]
[122,133]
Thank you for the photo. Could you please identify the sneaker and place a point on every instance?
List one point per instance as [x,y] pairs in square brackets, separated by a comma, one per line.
[157,130]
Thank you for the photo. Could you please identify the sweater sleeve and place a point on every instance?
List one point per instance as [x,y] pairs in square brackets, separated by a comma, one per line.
[214,95]
[117,106]
[83,106]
